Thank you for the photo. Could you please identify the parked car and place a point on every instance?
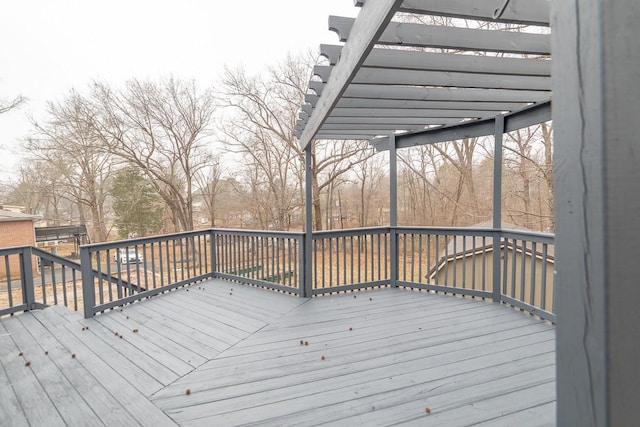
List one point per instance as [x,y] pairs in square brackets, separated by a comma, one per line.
[128,256]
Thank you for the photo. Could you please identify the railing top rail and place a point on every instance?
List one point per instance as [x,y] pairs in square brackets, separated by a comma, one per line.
[265,233]
[529,235]
[142,240]
[506,232]
[13,250]
[351,231]
[58,259]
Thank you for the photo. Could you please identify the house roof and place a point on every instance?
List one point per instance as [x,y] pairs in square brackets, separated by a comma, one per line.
[7,216]
[412,78]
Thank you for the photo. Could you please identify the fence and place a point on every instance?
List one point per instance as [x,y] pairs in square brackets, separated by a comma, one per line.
[508,266]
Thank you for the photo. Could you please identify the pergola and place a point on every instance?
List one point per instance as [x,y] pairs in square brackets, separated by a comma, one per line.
[400,84]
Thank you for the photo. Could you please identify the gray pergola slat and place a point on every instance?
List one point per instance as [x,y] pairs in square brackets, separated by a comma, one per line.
[444,94]
[527,12]
[449,105]
[432,36]
[426,61]
[436,78]
[339,135]
[379,127]
[419,60]
[392,121]
[378,76]
[400,112]
[373,20]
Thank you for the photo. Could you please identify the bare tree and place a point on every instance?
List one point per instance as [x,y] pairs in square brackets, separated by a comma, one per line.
[369,174]
[210,188]
[262,115]
[528,159]
[66,142]
[39,189]
[7,105]
[161,128]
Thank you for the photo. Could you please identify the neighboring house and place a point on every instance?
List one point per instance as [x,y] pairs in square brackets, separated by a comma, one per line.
[466,261]
[16,229]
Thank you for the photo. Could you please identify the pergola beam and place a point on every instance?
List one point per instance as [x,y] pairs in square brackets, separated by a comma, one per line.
[529,116]
[373,19]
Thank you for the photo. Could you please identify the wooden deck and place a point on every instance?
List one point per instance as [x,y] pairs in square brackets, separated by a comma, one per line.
[222,354]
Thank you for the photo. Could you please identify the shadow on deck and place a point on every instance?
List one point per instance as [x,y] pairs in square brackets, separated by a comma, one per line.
[220,353]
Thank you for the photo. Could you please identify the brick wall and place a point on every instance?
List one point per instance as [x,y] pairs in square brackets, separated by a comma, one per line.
[15,233]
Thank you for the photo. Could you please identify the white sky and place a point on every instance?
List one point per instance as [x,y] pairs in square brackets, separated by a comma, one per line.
[50,46]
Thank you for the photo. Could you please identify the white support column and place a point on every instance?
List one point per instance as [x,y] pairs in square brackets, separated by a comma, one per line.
[596,90]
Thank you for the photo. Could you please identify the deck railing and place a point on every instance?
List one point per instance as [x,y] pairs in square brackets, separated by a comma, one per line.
[350,259]
[31,278]
[268,259]
[508,266]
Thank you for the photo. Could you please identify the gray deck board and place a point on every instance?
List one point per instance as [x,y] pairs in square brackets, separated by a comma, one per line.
[105,407]
[388,354]
[39,409]
[120,380]
[63,394]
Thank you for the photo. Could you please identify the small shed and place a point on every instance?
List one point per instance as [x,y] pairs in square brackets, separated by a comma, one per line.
[468,256]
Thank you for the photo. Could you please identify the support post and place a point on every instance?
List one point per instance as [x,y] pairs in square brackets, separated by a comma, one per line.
[496,293]
[88,288]
[393,209]
[306,280]
[26,272]
[212,248]
[596,105]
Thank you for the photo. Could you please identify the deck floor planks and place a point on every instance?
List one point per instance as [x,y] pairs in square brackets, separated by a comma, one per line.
[353,353]
[176,344]
[332,372]
[178,329]
[399,327]
[233,331]
[10,407]
[320,313]
[397,324]
[124,349]
[62,393]
[357,350]
[536,416]
[33,399]
[387,405]
[423,389]
[156,352]
[222,333]
[104,405]
[256,303]
[224,315]
[476,362]
[117,379]
[87,343]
